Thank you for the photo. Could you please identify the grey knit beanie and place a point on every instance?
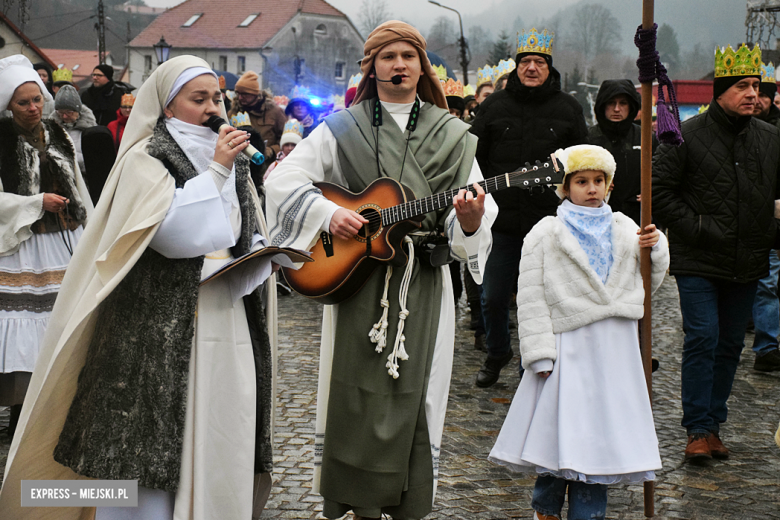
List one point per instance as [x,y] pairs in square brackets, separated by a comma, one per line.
[67,99]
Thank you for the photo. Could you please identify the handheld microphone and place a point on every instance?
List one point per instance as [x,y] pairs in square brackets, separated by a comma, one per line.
[395,80]
[216,123]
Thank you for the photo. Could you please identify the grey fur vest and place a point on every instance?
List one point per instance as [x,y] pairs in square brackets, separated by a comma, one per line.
[126,421]
[21,171]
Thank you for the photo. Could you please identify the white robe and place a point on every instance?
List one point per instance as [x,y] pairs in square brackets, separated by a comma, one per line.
[217,467]
[315,159]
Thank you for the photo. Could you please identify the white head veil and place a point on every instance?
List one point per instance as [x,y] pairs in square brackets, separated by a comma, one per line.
[151,99]
[15,71]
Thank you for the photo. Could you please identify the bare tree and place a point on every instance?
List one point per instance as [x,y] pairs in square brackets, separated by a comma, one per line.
[593,31]
[372,13]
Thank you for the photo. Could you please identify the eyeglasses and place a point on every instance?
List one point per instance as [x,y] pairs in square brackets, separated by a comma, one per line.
[67,113]
[98,75]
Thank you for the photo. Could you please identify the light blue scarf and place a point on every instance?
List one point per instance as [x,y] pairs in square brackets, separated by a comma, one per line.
[592,227]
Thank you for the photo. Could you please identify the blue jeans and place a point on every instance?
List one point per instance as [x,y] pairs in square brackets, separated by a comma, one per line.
[498,283]
[766,309]
[586,501]
[715,314]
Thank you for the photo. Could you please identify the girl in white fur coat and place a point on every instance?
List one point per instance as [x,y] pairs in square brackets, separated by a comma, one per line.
[581,418]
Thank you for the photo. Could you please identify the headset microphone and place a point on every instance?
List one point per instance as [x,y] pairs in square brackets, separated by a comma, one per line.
[216,122]
[395,80]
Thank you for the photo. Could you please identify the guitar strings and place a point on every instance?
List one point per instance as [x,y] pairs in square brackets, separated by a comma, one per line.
[431,200]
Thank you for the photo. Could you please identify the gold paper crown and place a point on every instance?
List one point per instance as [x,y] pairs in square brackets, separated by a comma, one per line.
[504,67]
[703,108]
[337,101]
[240,119]
[127,100]
[768,73]
[453,88]
[63,74]
[222,84]
[742,62]
[441,72]
[485,75]
[293,126]
[468,90]
[354,81]
[533,41]
[281,101]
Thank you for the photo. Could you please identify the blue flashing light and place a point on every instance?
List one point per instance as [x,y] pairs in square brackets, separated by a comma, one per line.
[315,101]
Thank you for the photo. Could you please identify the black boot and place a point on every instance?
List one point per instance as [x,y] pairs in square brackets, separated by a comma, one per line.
[491,369]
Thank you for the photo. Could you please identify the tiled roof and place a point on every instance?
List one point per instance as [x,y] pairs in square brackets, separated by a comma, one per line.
[70,58]
[218,27]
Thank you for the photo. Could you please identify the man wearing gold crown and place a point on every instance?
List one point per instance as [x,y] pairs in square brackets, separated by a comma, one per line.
[716,194]
[525,122]
[379,431]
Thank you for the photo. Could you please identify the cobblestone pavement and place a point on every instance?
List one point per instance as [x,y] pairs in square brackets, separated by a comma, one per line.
[746,486]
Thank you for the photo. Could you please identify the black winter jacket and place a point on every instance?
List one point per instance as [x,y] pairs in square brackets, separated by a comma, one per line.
[103,101]
[716,195]
[623,140]
[518,125]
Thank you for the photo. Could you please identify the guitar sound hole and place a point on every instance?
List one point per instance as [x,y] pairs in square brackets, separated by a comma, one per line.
[374,221]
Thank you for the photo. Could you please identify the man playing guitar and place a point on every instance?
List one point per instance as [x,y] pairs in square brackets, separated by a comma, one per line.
[382,396]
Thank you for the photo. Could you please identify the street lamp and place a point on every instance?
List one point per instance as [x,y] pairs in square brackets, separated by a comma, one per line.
[161,49]
[464,58]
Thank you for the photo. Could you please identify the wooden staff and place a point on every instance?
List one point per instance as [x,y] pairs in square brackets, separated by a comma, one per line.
[646,327]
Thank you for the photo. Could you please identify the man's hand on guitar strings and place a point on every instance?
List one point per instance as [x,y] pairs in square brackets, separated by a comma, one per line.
[469,209]
[346,223]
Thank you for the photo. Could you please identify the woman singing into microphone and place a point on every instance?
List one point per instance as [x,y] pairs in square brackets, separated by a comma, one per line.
[144,374]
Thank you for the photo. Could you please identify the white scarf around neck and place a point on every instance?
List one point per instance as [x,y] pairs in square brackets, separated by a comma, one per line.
[198,143]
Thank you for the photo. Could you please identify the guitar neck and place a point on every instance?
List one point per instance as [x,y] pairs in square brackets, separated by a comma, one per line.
[540,175]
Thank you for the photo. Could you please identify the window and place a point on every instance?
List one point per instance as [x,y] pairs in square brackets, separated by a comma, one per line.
[340,67]
[241,64]
[191,20]
[147,63]
[249,19]
[223,63]
[321,29]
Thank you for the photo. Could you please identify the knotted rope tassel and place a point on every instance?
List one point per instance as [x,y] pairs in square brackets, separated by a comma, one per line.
[399,352]
[378,333]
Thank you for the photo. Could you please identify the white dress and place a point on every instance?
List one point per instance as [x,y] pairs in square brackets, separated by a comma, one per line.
[590,420]
[30,279]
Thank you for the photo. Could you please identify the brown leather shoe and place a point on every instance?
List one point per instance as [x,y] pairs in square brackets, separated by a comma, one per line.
[698,447]
[540,516]
[717,449]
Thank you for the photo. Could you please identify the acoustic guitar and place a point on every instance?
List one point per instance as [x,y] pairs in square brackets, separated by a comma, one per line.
[341,267]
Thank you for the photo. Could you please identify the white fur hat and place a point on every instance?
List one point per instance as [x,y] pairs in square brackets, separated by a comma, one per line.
[585,157]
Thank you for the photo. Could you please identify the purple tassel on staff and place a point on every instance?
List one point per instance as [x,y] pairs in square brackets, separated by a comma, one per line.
[651,69]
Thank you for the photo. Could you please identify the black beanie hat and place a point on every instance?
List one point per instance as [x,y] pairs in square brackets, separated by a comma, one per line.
[768,89]
[721,85]
[108,70]
[547,57]
[456,102]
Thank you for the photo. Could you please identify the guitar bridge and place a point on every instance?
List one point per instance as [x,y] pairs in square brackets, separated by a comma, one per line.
[327,243]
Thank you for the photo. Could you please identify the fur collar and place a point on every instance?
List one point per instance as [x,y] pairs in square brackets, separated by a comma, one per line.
[20,165]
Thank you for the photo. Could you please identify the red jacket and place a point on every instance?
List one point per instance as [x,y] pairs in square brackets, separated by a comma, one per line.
[117,128]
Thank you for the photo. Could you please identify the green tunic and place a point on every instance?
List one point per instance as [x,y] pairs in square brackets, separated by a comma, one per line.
[377,452]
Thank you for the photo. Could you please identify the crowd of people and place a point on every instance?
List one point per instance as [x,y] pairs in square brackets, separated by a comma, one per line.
[119,364]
